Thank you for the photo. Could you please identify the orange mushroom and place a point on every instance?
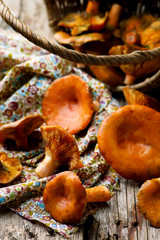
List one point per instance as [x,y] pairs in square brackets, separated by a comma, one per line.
[109,75]
[60,150]
[114,16]
[16,134]
[135,71]
[148,201]
[129,141]
[68,103]
[82,22]
[65,198]
[132,28]
[150,37]
[77,42]
[10,168]
[133,96]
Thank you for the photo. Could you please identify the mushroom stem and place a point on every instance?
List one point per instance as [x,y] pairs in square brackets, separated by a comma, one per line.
[60,150]
[98,194]
[1,165]
[48,166]
[129,79]
[93,7]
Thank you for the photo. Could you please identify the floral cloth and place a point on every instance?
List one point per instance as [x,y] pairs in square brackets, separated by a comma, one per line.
[26,71]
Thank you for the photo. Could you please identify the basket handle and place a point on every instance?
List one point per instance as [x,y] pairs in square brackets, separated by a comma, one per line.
[147,85]
[136,57]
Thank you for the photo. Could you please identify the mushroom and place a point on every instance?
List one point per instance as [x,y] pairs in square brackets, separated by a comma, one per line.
[77,42]
[150,37]
[60,150]
[114,16]
[148,201]
[10,168]
[93,7]
[65,198]
[83,21]
[68,103]
[17,133]
[132,28]
[129,141]
[135,71]
[133,96]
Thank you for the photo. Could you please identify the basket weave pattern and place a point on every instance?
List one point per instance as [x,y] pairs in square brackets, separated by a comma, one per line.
[58,9]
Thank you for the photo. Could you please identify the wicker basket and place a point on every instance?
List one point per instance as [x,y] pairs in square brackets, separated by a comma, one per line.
[57,8]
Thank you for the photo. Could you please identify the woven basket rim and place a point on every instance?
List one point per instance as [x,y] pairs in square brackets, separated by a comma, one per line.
[137,57]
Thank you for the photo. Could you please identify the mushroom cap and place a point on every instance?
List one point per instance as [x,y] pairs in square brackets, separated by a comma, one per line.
[10,168]
[133,96]
[98,193]
[20,130]
[60,150]
[82,22]
[129,141]
[68,103]
[65,198]
[148,201]
[151,35]
[77,41]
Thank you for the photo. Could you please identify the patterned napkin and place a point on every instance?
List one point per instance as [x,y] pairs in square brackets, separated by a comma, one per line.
[26,71]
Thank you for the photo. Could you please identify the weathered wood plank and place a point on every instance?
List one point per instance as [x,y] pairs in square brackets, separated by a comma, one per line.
[123,211]
[131,206]
[15,227]
[142,224]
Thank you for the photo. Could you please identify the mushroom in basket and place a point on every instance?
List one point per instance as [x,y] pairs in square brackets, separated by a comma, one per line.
[132,28]
[135,71]
[150,37]
[88,26]
[133,96]
[78,42]
[10,168]
[88,20]
[61,150]
[16,134]
[65,198]
[112,76]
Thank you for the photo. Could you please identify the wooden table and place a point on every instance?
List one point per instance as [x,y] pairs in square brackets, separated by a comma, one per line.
[120,218]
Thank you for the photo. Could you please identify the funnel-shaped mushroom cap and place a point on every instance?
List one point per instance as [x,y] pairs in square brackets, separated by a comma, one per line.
[60,150]
[68,103]
[129,140]
[77,41]
[148,201]
[81,22]
[10,168]
[20,130]
[133,96]
[65,198]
